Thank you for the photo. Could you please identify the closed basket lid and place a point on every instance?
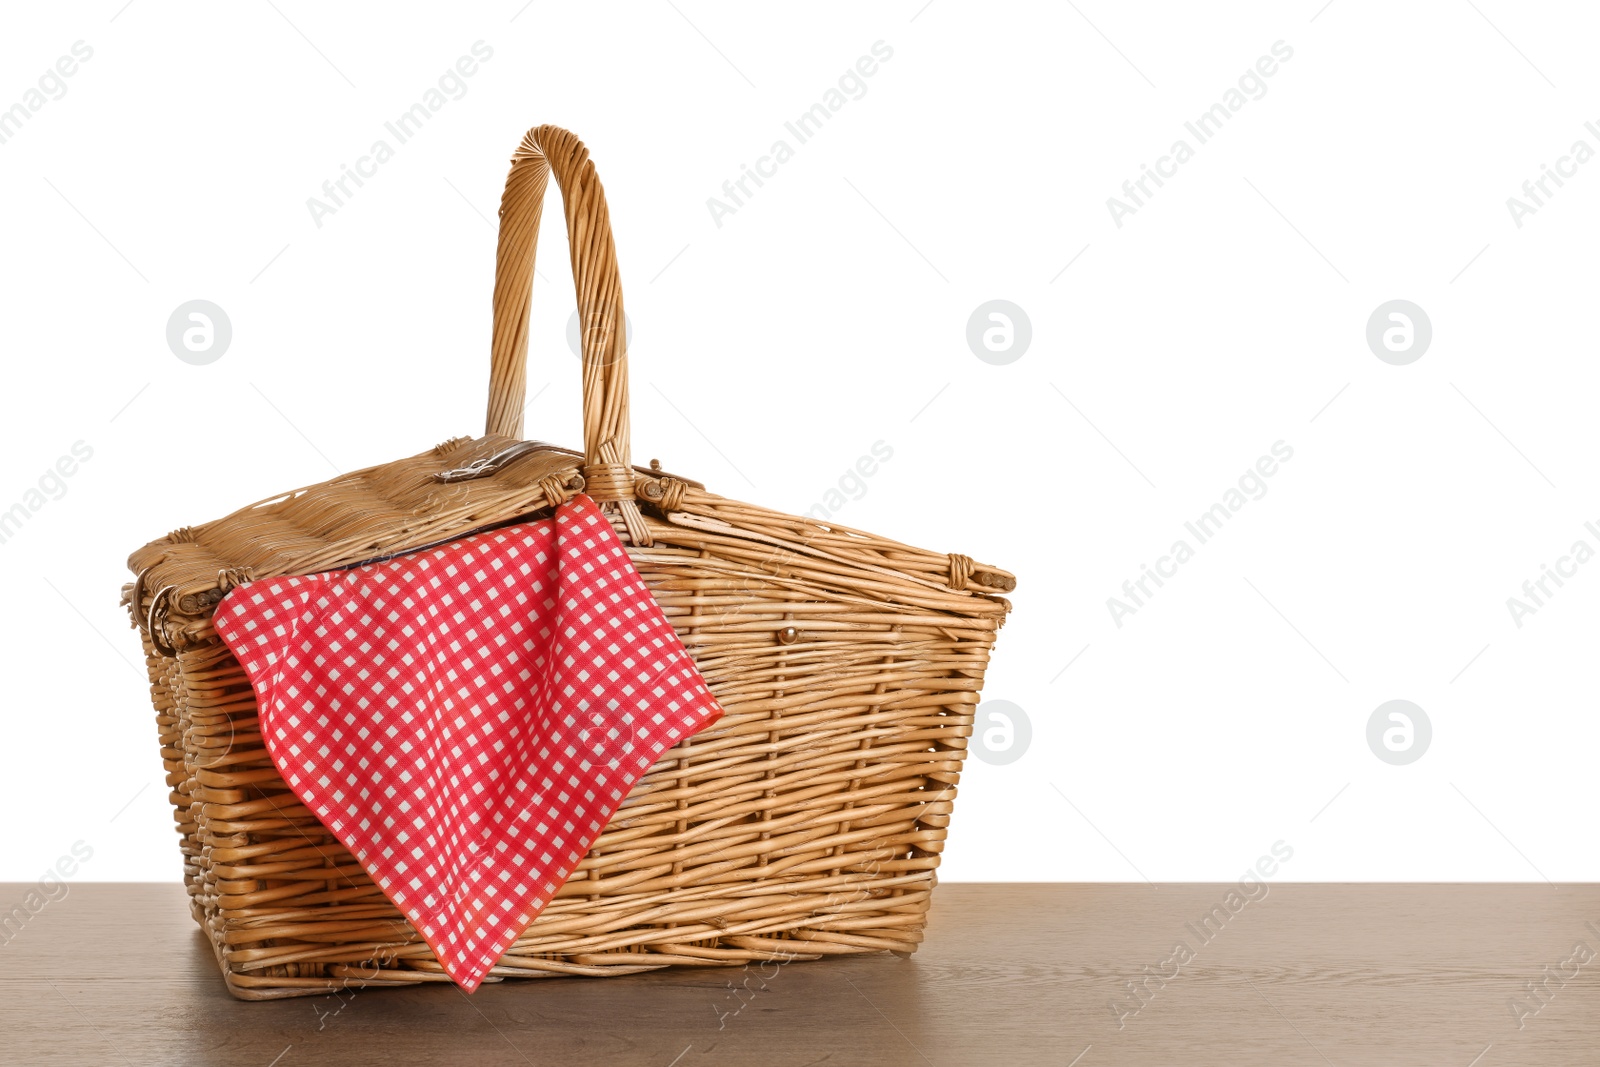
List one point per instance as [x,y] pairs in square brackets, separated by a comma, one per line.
[470,484]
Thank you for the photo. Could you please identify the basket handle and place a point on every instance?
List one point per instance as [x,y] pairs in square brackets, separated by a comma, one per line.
[606,472]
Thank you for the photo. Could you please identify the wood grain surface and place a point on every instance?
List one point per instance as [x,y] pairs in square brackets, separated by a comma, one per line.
[1010,974]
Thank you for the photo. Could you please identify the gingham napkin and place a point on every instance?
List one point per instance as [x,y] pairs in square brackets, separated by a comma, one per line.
[465,719]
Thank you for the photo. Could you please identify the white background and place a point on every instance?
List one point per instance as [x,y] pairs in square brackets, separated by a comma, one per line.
[828,313]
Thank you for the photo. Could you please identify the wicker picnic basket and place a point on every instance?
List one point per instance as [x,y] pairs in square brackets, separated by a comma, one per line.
[808,822]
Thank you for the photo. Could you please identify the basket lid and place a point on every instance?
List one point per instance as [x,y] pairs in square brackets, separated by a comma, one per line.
[471,484]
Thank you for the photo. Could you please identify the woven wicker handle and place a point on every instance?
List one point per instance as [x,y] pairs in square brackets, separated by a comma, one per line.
[594,272]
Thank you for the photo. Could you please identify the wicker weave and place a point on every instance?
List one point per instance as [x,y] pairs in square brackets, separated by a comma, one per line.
[808,822]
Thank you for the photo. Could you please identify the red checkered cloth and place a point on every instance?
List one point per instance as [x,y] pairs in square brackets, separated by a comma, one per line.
[466,719]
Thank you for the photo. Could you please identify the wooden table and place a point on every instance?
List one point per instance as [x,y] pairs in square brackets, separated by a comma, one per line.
[1010,974]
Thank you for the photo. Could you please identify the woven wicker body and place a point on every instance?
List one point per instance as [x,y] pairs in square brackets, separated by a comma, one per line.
[808,822]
